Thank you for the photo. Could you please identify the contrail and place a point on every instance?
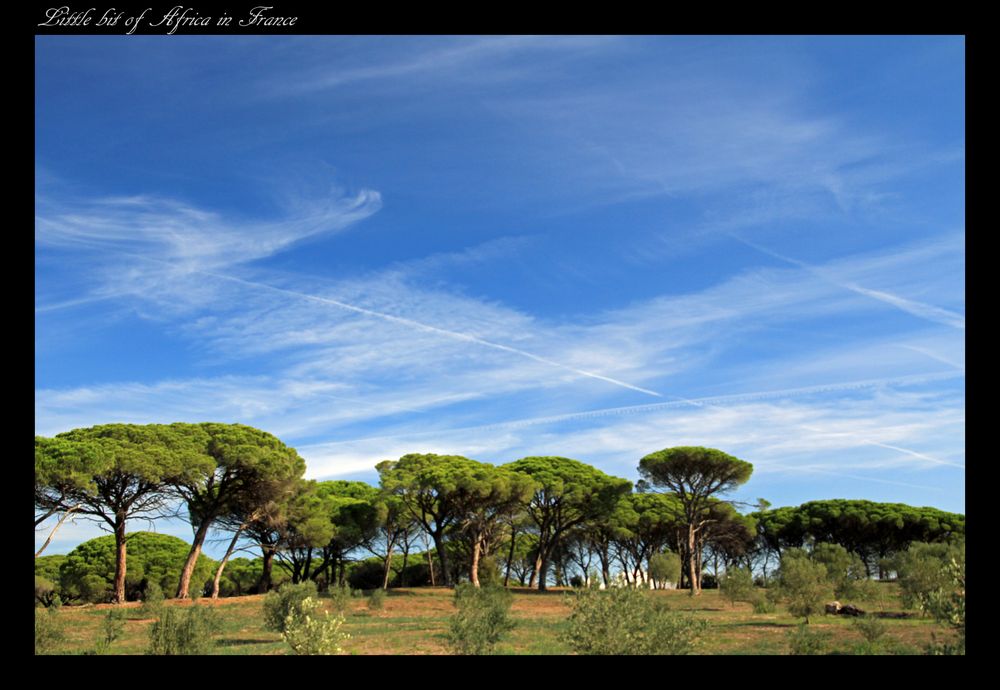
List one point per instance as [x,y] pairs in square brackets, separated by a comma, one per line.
[851,476]
[386,317]
[652,407]
[919,309]
[429,329]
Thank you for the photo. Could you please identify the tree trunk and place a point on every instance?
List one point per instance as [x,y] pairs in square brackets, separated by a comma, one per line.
[474,568]
[225,559]
[388,567]
[265,576]
[53,532]
[510,556]
[442,557]
[430,558]
[120,557]
[695,589]
[192,559]
[543,572]
[406,557]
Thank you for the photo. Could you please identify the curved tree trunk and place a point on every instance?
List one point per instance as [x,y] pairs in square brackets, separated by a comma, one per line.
[53,532]
[225,559]
[192,559]
[474,568]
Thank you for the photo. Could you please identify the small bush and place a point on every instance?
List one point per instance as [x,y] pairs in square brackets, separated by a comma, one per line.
[113,625]
[947,605]
[340,598]
[737,585]
[48,630]
[626,621]
[184,631]
[284,601]
[376,600]
[803,584]
[873,631]
[803,641]
[308,633]
[762,603]
[152,601]
[482,619]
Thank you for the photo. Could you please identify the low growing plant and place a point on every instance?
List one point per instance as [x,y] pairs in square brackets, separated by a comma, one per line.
[626,621]
[803,641]
[482,619]
[183,631]
[48,630]
[284,601]
[306,632]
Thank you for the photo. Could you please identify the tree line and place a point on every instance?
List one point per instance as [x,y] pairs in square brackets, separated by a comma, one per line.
[526,518]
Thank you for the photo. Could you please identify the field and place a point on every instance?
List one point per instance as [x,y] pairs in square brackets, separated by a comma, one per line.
[415,621]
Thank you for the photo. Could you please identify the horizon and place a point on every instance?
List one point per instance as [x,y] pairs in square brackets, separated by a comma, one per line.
[587,246]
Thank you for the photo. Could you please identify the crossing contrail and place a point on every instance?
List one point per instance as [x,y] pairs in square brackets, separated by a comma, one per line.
[456,335]
[919,309]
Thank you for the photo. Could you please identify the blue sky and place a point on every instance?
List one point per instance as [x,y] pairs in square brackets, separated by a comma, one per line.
[594,247]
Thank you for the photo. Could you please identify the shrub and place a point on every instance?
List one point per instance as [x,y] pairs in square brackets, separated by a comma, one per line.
[307,633]
[872,630]
[340,598]
[625,621]
[709,581]
[803,641]
[183,631]
[844,569]
[482,619]
[762,603]
[803,584]
[737,585]
[376,600]
[152,601]
[923,569]
[947,605]
[45,592]
[113,625]
[48,630]
[284,601]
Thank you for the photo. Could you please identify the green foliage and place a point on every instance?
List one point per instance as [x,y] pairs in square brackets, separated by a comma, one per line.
[283,602]
[308,633]
[152,601]
[376,600]
[113,626]
[873,631]
[737,585]
[763,603]
[340,598]
[923,569]
[45,592]
[489,572]
[183,631]
[803,584]
[482,619]
[844,569]
[803,641]
[367,574]
[48,630]
[88,572]
[626,621]
[665,567]
[947,605]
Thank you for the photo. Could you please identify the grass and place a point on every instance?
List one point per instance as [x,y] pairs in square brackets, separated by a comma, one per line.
[415,621]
